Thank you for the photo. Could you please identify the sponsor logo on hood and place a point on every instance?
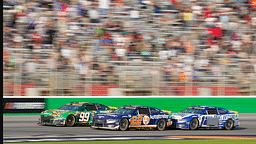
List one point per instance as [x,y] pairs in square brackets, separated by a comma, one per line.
[158,116]
[54,112]
[102,116]
[181,115]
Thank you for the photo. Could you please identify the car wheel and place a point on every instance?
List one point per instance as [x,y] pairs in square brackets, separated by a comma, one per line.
[161,124]
[193,124]
[229,124]
[70,121]
[123,125]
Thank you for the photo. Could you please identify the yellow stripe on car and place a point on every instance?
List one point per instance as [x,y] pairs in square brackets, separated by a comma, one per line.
[113,107]
[235,112]
[169,112]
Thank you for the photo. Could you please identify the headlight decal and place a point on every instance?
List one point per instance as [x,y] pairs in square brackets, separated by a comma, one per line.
[182,121]
[111,120]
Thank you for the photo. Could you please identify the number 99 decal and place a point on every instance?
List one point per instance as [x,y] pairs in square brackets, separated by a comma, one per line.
[84,116]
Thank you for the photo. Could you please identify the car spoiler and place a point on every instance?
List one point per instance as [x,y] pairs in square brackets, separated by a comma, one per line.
[235,112]
[169,112]
[113,108]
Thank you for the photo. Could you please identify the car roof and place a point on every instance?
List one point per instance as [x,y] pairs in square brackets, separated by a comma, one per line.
[79,103]
[204,107]
[134,106]
[137,107]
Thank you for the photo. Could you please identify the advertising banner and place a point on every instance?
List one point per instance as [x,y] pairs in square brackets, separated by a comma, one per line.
[174,104]
[23,105]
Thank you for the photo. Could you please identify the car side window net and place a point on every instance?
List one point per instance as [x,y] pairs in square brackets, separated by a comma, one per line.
[212,111]
[91,107]
[144,111]
[99,107]
[154,111]
[69,107]
[105,107]
[221,111]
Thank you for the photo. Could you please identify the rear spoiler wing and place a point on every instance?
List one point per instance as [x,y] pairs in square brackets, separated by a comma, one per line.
[235,112]
[113,108]
[169,112]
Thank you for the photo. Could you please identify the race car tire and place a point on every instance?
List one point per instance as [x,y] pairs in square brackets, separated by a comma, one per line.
[124,124]
[229,124]
[193,124]
[70,121]
[161,124]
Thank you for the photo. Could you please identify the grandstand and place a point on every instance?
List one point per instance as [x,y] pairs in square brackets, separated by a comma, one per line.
[129,47]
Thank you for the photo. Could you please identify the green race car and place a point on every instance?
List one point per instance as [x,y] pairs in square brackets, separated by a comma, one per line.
[73,113]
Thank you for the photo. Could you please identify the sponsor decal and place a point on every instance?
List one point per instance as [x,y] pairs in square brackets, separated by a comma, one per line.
[158,116]
[23,105]
[28,105]
[179,116]
[222,117]
[146,120]
[46,113]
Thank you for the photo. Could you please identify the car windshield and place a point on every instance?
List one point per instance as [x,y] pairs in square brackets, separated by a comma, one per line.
[70,107]
[193,110]
[123,111]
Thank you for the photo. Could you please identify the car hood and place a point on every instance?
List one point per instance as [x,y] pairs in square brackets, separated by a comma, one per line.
[182,115]
[54,112]
[108,116]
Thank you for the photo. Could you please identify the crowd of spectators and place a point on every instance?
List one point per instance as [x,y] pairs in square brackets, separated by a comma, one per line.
[90,37]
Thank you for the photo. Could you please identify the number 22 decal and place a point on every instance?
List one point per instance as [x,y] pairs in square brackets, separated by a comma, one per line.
[136,120]
[84,116]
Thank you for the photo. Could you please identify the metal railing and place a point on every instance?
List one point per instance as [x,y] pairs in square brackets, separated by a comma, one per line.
[134,77]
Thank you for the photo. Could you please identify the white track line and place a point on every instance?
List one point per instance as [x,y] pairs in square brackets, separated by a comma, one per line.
[89,139]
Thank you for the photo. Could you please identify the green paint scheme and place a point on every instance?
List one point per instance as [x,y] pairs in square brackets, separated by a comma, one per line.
[242,105]
[81,111]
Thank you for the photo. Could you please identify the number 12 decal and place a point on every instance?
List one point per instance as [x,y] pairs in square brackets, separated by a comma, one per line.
[84,116]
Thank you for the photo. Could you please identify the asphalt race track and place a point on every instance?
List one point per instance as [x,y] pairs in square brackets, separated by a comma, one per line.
[26,127]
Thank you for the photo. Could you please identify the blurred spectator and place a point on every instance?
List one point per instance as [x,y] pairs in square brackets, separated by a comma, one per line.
[104,6]
[94,15]
[191,39]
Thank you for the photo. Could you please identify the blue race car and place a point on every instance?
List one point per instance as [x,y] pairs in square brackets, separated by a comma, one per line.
[133,117]
[205,116]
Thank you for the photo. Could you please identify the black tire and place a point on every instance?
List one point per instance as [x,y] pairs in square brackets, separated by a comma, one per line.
[229,124]
[161,124]
[193,124]
[70,121]
[124,124]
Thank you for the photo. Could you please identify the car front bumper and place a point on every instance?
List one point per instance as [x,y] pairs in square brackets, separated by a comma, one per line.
[111,126]
[180,125]
[236,122]
[52,121]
